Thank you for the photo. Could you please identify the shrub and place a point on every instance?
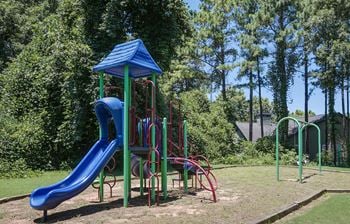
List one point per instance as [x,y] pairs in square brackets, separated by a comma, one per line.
[288,158]
[16,169]
[249,149]
[265,145]
[210,132]
[232,159]
[327,158]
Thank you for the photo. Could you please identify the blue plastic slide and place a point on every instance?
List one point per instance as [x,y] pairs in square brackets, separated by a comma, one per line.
[107,110]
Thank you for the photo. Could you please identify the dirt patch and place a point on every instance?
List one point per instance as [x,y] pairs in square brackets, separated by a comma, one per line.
[245,194]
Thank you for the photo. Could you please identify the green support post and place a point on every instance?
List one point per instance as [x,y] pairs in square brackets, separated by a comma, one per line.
[300,154]
[165,161]
[141,160]
[126,135]
[300,148]
[277,155]
[101,85]
[141,176]
[153,156]
[338,154]
[129,156]
[186,156]
[319,150]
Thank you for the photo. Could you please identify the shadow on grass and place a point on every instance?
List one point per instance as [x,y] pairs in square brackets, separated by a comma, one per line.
[297,179]
[140,201]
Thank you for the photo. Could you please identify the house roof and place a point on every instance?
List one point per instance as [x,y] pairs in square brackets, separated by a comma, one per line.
[292,126]
[243,127]
[132,53]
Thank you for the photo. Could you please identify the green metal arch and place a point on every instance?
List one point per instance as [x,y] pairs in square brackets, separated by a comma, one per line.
[318,142]
[300,147]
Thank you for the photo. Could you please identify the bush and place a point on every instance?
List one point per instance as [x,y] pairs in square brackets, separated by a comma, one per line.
[25,140]
[265,145]
[248,155]
[249,149]
[210,132]
[48,89]
[16,169]
[288,158]
[327,158]
[231,159]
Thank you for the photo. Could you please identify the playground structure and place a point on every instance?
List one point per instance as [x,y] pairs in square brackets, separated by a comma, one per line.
[301,125]
[145,140]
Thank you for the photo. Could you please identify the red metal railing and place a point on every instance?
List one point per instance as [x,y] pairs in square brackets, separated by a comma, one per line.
[212,187]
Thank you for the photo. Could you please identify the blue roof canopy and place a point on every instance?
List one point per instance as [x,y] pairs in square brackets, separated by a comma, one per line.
[132,53]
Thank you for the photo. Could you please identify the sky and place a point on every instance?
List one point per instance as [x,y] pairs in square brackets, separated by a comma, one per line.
[296,92]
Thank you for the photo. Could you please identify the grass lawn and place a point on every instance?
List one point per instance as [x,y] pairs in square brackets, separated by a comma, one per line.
[245,195]
[18,186]
[335,168]
[335,209]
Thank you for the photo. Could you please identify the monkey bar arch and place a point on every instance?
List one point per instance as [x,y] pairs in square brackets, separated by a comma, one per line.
[301,127]
[300,147]
[307,124]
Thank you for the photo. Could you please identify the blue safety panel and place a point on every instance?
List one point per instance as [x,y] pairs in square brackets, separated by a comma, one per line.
[132,53]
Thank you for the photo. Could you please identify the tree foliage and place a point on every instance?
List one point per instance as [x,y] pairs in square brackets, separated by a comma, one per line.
[47,51]
[209,132]
[214,41]
[46,87]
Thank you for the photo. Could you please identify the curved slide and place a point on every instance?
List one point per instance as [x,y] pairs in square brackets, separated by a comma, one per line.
[80,178]
[107,110]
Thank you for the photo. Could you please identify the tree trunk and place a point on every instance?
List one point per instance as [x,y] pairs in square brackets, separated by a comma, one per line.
[260,98]
[223,91]
[332,121]
[281,71]
[223,75]
[306,102]
[342,88]
[251,88]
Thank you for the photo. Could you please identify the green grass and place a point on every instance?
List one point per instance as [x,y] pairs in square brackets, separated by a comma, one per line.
[334,210]
[330,168]
[18,186]
[336,168]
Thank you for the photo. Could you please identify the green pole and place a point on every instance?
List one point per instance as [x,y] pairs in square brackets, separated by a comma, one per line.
[153,166]
[277,156]
[165,161]
[186,156]
[319,150]
[141,176]
[339,154]
[101,85]
[140,129]
[300,146]
[318,143]
[129,152]
[126,135]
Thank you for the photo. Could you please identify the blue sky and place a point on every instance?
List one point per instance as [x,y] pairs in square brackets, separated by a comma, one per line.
[296,93]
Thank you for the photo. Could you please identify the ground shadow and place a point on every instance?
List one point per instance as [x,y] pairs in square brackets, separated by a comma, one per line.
[297,179]
[95,208]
